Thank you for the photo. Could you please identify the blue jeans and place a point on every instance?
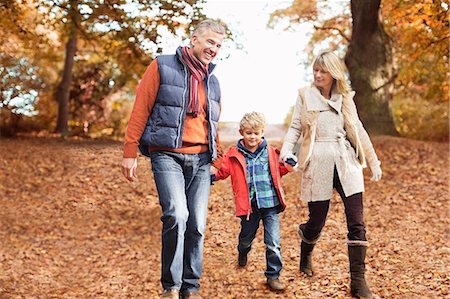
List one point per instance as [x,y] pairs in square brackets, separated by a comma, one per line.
[183,183]
[271,237]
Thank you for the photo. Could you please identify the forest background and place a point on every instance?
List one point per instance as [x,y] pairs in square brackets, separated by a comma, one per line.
[72,227]
[72,67]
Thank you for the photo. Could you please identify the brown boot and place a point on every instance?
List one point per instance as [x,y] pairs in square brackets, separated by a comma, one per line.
[170,294]
[358,285]
[275,284]
[306,258]
[191,295]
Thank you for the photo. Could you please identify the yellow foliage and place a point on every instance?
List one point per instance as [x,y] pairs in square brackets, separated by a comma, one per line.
[416,117]
[419,32]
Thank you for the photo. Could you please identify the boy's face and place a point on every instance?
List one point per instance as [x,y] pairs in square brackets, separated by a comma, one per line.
[252,137]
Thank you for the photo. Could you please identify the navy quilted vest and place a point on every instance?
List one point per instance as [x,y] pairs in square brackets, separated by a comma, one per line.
[165,125]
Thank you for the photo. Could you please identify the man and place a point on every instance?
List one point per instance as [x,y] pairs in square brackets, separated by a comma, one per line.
[174,122]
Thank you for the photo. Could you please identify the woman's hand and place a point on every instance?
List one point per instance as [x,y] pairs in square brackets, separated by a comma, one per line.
[376,173]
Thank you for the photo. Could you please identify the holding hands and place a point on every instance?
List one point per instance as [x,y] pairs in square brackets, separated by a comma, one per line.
[290,161]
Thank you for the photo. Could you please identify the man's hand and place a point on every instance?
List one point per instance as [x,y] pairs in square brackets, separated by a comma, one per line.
[129,167]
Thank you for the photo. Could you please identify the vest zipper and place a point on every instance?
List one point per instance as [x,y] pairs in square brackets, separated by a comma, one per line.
[208,104]
[182,103]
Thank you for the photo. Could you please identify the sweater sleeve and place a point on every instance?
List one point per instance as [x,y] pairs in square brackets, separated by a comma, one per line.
[294,131]
[218,162]
[143,105]
[366,143]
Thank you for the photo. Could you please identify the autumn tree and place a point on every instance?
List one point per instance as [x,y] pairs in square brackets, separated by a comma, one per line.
[20,77]
[334,30]
[121,35]
[18,89]
[420,34]
[370,63]
[415,51]
[368,55]
[121,25]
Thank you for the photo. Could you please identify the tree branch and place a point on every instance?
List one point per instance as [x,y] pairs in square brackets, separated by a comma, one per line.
[341,33]
[391,80]
[437,41]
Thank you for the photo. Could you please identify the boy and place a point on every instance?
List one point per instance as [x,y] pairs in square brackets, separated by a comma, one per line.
[256,179]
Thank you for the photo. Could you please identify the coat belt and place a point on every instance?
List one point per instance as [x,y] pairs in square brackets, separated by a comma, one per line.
[343,144]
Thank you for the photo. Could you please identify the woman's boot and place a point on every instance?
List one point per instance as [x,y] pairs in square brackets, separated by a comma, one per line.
[358,285]
[305,258]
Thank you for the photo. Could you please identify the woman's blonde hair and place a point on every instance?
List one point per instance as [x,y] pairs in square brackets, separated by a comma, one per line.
[331,63]
[253,120]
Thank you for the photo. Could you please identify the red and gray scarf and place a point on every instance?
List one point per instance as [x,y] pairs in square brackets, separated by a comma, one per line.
[198,72]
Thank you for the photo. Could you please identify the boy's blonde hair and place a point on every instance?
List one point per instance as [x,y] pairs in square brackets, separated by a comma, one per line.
[331,63]
[253,120]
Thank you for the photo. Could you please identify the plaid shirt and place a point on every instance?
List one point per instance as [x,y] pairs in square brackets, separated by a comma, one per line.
[259,180]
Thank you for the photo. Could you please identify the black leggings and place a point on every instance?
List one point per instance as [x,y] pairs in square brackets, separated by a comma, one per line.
[318,211]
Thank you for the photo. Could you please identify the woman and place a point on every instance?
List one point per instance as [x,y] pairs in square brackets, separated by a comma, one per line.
[334,150]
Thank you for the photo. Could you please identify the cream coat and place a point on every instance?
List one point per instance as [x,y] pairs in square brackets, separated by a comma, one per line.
[332,135]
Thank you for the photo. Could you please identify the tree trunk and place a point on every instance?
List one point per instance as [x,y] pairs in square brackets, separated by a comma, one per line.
[63,89]
[370,64]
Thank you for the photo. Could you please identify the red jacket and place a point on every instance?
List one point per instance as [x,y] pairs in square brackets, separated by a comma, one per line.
[233,163]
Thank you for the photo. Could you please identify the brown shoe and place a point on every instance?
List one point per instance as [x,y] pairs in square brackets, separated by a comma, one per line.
[275,284]
[191,295]
[171,294]
[242,259]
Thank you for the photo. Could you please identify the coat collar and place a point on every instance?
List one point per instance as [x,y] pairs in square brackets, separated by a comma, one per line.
[247,152]
[316,102]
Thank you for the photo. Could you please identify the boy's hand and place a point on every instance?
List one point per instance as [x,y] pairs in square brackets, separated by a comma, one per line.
[213,169]
[212,178]
[290,162]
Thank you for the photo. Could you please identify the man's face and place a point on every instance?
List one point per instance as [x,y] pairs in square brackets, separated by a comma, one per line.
[206,45]
[252,137]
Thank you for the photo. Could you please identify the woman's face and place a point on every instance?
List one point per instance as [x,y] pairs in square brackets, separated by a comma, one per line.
[322,79]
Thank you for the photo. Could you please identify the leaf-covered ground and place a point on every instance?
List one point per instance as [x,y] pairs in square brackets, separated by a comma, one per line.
[72,227]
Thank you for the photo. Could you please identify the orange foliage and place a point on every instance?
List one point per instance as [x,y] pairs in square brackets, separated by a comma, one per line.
[72,227]
[419,31]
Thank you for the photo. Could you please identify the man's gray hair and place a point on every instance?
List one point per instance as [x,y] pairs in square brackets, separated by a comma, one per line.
[208,24]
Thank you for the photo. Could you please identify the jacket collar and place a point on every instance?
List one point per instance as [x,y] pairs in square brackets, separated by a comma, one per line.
[246,152]
[316,102]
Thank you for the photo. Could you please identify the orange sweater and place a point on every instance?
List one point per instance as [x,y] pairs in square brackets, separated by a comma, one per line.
[195,134]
